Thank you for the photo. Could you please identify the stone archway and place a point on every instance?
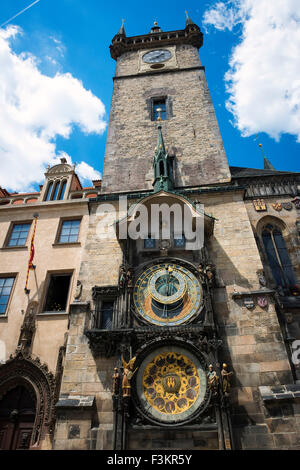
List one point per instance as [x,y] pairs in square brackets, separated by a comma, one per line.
[36,384]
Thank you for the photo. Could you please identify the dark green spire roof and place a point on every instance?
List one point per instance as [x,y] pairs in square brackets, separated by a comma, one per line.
[162,165]
[160,149]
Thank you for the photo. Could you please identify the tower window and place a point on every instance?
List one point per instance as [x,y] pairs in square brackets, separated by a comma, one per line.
[278,256]
[107,315]
[159,104]
[57,293]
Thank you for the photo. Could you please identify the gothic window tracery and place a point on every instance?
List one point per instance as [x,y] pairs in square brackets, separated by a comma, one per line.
[277,255]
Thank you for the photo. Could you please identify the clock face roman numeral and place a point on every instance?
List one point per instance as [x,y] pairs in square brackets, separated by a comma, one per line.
[153,57]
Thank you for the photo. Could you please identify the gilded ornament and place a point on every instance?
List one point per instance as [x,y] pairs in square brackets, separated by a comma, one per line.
[226,379]
[259,205]
[212,380]
[277,206]
[128,373]
[171,383]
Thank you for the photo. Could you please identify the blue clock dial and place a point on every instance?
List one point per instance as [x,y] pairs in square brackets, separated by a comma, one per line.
[167,293]
[154,57]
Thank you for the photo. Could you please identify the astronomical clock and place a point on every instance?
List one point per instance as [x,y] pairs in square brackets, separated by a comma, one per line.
[165,342]
[171,312]
[167,294]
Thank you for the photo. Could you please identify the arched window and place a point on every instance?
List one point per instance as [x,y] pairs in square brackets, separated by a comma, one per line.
[161,168]
[55,191]
[278,256]
[62,190]
[49,190]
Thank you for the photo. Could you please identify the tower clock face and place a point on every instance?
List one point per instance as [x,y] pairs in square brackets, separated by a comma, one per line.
[171,384]
[167,294]
[154,57]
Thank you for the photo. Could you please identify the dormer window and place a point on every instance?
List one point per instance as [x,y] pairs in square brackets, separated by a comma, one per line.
[62,190]
[49,191]
[56,191]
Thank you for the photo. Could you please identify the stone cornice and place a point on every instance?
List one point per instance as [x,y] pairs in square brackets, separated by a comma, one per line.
[180,191]
[190,35]
[43,206]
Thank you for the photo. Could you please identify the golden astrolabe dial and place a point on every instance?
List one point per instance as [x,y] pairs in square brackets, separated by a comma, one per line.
[171,384]
[167,293]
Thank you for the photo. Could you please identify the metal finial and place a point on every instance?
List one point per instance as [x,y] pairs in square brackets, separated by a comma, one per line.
[267,164]
[155,23]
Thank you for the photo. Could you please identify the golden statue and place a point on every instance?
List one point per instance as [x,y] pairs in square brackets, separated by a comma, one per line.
[128,373]
[225,379]
[115,378]
[212,379]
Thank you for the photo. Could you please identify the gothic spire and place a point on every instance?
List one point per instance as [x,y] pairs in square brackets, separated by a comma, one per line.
[188,20]
[267,164]
[122,29]
[162,164]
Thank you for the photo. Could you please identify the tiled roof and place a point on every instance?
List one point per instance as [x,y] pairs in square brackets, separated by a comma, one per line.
[239,172]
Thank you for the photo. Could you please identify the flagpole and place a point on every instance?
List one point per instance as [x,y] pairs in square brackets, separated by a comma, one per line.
[31,266]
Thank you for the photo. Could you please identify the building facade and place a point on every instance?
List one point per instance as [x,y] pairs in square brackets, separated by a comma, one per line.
[152,340]
[34,303]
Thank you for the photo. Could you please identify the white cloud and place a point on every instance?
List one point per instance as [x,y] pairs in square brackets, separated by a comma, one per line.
[35,109]
[87,173]
[223,15]
[59,46]
[263,80]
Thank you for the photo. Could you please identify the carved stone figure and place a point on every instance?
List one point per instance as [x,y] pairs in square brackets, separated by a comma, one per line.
[201,272]
[129,277]
[261,278]
[213,380]
[210,274]
[207,273]
[27,328]
[128,373]
[122,276]
[164,246]
[78,291]
[225,379]
[116,382]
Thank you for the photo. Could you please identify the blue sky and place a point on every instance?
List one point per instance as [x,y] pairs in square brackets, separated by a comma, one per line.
[73,37]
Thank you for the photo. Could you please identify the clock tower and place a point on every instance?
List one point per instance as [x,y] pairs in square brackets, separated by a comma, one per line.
[156,322]
[161,70]
[170,292]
